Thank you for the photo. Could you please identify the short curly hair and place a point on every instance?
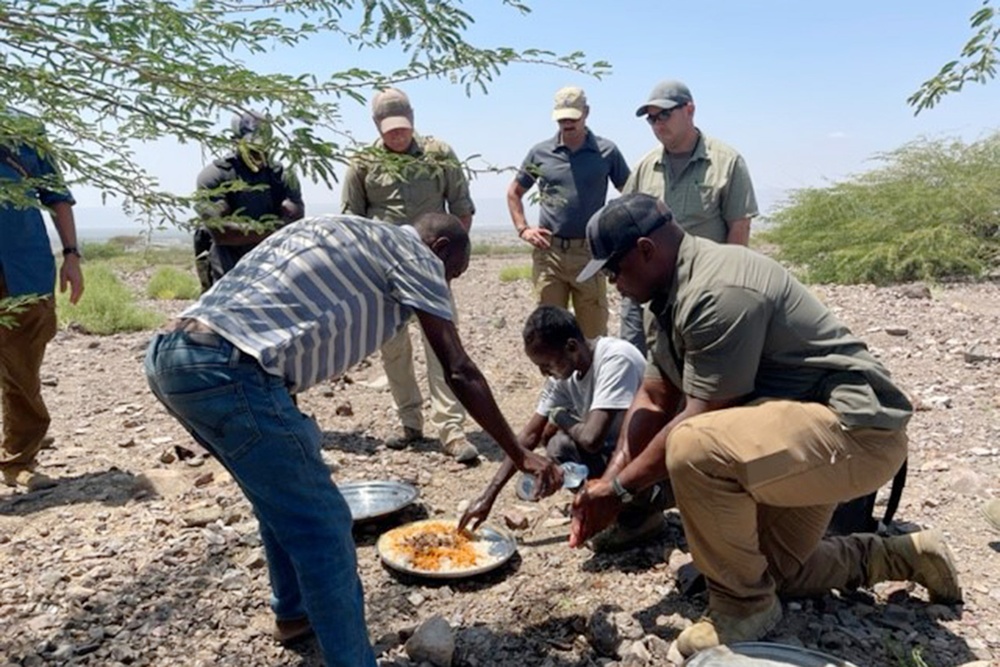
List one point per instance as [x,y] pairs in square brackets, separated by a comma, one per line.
[551,327]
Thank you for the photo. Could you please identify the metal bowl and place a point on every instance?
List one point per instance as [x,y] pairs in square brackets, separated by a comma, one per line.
[500,547]
[763,654]
[377,499]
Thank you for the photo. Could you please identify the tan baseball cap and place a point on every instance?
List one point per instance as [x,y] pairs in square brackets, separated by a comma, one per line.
[391,110]
[571,103]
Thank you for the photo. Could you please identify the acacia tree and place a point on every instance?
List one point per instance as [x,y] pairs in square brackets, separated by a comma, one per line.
[977,62]
[106,75]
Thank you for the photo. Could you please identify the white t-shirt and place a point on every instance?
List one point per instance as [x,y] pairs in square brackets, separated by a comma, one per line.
[614,376]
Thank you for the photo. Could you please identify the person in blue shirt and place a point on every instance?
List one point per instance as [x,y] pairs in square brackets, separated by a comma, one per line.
[29,181]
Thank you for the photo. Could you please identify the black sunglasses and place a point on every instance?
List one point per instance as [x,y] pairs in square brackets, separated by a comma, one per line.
[613,266]
[662,114]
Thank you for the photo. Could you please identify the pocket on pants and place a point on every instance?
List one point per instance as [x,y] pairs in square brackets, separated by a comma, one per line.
[221,416]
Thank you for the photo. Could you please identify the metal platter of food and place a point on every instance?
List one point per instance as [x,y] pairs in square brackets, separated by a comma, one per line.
[763,654]
[435,548]
[376,499]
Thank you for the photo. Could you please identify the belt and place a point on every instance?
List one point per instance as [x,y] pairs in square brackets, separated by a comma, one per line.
[563,243]
[188,325]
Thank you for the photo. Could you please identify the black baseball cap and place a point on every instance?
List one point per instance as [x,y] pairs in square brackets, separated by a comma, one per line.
[616,228]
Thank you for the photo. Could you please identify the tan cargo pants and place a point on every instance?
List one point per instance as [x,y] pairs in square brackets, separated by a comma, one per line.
[447,414]
[22,348]
[756,487]
[554,273]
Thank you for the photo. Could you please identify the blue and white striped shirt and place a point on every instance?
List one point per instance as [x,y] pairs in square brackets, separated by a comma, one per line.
[319,295]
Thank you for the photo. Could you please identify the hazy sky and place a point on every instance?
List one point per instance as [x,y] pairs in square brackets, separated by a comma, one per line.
[808,92]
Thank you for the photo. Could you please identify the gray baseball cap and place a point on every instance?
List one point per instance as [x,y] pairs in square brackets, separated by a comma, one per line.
[618,226]
[666,95]
[247,124]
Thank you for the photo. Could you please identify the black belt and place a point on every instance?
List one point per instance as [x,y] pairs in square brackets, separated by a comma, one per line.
[564,243]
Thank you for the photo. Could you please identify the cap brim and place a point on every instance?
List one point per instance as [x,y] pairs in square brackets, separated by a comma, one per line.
[567,114]
[394,123]
[662,104]
[593,267]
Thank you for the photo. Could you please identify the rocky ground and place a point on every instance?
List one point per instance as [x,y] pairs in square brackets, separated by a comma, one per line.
[140,558]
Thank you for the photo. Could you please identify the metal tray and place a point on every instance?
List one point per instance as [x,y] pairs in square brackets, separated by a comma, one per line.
[763,654]
[376,499]
[500,547]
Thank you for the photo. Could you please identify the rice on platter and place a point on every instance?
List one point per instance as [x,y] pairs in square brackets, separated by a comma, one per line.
[436,546]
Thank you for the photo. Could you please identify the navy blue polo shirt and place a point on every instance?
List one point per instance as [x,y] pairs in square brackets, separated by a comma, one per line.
[572,185]
[25,253]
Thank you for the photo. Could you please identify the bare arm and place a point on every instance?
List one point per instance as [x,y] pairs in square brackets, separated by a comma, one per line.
[536,236]
[472,391]
[655,403]
[70,274]
[739,232]
[591,433]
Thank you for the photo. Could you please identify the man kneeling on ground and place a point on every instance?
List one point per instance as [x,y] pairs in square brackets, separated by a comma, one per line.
[312,300]
[770,413]
[590,385]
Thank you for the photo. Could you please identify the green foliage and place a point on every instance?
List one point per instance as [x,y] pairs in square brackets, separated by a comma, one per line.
[12,306]
[102,251]
[977,62]
[107,306]
[170,283]
[509,274]
[106,76]
[501,249]
[931,211]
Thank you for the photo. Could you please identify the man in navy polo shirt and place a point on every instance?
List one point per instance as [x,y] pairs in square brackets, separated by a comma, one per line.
[572,171]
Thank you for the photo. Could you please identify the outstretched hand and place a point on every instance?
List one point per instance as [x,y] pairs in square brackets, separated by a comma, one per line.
[476,513]
[594,508]
[548,475]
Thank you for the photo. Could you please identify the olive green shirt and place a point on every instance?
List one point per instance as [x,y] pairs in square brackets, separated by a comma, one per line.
[712,190]
[735,323]
[399,188]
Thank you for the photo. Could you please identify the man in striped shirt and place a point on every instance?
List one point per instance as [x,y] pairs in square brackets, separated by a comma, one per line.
[313,299]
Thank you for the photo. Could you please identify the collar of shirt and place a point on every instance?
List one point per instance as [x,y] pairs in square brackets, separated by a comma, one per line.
[699,152]
[589,142]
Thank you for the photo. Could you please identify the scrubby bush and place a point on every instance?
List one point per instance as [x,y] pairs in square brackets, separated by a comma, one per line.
[172,283]
[931,211]
[107,306]
[509,274]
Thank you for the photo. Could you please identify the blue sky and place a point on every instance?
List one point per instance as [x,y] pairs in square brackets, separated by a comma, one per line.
[808,92]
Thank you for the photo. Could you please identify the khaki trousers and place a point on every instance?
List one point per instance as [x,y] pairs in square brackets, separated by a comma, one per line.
[22,348]
[554,272]
[447,414]
[756,487]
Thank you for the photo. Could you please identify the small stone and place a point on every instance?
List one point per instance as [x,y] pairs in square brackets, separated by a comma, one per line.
[164,483]
[433,642]
[897,331]
[167,456]
[416,599]
[126,443]
[201,516]
[915,291]
[162,440]
[344,410]
[204,479]
[515,521]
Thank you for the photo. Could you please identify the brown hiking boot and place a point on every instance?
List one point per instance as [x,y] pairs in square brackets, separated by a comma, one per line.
[716,628]
[991,512]
[29,479]
[619,537]
[462,450]
[410,435]
[921,557]
[291,631]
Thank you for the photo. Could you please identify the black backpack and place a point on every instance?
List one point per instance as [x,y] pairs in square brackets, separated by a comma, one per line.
[858,515]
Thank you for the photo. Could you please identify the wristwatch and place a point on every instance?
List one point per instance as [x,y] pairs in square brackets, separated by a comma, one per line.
[623,494]
[71,250]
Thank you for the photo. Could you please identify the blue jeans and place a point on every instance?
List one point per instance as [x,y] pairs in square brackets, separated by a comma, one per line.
[246,419]
[631,327]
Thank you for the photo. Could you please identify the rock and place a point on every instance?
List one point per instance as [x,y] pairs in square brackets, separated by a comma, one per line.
[637,653]
[167,456]
[915,291]
[344,410]
[204,479]
[978,353]
[939,401]
[163,483]
[602,633]
[515,521]
[433,642]
[896,330]
[126,442]
[201,516]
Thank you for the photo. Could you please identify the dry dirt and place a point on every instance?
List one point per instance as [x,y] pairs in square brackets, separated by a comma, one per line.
[101,571]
